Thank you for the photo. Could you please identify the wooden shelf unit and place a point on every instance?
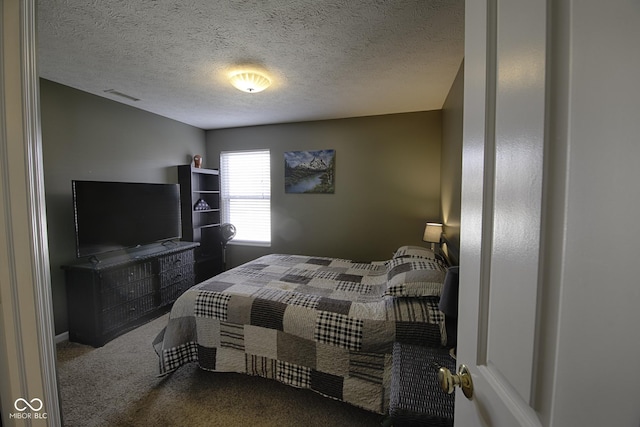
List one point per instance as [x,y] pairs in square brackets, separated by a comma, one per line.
[202,226]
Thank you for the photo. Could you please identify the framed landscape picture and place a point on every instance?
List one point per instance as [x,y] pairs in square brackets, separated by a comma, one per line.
[309,171]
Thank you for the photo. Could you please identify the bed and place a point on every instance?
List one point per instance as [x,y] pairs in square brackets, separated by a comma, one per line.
[318,323]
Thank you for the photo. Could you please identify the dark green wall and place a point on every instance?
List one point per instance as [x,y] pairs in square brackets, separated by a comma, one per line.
[93,138]
[387,184]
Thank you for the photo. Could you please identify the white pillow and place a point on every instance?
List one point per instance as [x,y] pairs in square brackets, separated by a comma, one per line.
[415,252]
[415,277]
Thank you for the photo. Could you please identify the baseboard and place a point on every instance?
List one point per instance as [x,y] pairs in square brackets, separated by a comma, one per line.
[62,337]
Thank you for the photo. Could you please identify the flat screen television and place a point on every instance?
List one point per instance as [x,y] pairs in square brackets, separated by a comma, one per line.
[111,216]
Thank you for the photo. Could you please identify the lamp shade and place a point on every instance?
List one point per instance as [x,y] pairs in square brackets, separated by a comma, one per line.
[249,81]
[432,232]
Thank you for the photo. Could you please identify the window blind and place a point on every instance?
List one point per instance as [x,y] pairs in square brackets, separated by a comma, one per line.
[245,193]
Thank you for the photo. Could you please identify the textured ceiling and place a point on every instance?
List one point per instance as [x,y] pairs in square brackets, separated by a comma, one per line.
[327,58]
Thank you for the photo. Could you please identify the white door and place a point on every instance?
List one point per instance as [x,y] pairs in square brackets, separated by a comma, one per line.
[504,134]
[549,271]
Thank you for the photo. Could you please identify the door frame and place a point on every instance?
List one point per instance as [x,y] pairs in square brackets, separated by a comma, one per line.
[27,348]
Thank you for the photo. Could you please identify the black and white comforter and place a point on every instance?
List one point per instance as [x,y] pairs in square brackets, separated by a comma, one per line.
[310,322]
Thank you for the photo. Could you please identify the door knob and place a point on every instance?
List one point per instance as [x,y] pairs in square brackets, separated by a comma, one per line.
[449,381]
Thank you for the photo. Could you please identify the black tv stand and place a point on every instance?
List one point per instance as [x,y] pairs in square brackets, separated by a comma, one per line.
[108,297]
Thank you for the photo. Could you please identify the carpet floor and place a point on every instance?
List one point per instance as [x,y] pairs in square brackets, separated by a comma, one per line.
[118,385]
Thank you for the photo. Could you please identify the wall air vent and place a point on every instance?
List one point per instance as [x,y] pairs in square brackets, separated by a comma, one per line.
[123,95]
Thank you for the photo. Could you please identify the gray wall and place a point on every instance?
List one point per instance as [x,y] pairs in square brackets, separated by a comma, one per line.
[387,184]
[388,174]
[452,116]
[92,138]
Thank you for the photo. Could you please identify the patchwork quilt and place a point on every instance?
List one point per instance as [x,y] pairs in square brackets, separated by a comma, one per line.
[323,324]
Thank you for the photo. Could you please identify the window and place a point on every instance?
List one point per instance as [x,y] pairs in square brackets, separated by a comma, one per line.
[245,178]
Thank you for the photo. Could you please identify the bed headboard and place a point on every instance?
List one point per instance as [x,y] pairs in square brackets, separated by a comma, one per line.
[449,299]
[449,250]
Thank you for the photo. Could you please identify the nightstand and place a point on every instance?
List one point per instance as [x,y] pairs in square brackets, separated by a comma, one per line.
[416,396]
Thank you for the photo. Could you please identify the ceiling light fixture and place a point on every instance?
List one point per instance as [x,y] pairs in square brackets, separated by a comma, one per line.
[249,81]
